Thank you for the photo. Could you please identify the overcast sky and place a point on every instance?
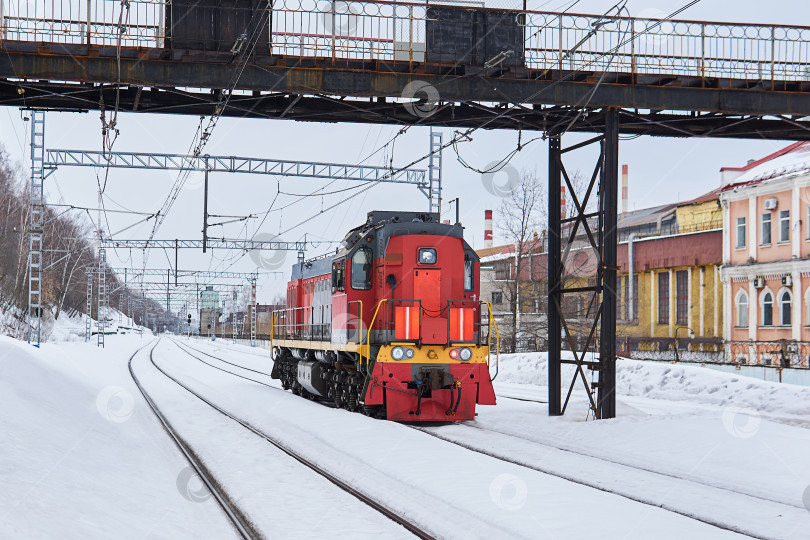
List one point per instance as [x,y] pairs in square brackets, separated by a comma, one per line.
[661,170]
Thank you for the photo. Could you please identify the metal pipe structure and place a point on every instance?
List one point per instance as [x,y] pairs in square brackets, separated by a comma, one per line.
[554,279]
[631,315]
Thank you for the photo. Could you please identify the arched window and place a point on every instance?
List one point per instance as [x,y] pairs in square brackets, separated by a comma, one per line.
[767,309]
[742,309]
[785,303]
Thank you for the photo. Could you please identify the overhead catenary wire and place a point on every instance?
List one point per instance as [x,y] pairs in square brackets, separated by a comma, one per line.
[460,136]
[388,158]
[202,134]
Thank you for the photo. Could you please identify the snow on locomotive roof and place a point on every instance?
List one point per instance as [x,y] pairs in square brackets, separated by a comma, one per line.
[312,268]
[376,217]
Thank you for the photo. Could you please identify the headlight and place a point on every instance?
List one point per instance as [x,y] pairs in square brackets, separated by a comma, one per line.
[427,256]
[401,353]
[463,354]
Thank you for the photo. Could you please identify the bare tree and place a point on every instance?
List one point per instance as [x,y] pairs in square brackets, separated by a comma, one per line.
[519,222]
[522,279]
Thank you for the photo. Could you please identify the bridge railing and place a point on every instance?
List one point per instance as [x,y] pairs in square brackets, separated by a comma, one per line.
[97,22]
[394,31]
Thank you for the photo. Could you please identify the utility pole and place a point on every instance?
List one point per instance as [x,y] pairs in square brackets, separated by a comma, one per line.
[205,206]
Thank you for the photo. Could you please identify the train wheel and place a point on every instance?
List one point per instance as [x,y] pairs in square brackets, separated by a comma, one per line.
[353,401]
[372,411]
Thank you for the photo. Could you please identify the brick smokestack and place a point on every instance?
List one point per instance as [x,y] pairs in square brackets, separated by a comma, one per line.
[487,228]
[563,214]
[625,189]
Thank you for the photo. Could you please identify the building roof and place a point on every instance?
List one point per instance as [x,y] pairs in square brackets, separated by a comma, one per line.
[495,250]
[793,160]
[644,216]
[713,195]
[631,221]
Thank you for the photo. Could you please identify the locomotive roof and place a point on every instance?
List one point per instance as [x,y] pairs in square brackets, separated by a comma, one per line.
[312,268]
[386,224]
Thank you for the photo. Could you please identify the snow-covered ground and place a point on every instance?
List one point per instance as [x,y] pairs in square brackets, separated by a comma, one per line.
[73,327]
[694,453]
[81,456]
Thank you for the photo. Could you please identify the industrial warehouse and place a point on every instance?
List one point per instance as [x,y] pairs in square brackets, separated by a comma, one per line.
[380,269]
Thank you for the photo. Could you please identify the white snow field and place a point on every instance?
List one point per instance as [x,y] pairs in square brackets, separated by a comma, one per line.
[694,453]
[81,456]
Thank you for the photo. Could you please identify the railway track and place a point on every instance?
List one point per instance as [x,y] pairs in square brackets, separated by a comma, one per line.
[546,470]
[240,522]
[592,484]
[385,511]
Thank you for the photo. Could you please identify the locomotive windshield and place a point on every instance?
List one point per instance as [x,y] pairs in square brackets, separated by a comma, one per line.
[361,269]
[427,256]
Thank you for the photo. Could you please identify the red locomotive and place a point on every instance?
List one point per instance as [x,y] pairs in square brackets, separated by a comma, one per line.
[392,324]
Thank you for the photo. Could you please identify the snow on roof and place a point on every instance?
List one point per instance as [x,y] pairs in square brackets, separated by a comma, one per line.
[497,257]
[792,160]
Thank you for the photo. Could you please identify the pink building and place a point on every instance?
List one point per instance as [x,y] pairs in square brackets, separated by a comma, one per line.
[766,258]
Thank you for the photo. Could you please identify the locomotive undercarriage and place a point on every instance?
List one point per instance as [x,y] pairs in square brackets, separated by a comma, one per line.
[333,377]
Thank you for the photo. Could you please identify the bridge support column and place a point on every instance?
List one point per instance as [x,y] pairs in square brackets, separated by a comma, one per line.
[582,268]
[554,277]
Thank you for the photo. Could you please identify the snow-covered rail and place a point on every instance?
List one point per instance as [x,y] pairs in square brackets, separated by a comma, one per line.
[414,528]
[744,510]
[641,484]
[240,522]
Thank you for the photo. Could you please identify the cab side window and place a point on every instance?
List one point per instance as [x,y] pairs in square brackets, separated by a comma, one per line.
[361,269]
[468,274]
[337,277]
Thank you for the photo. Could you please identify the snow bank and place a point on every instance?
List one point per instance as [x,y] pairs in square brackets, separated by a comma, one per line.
[82,456]
[674,382]
[72,327]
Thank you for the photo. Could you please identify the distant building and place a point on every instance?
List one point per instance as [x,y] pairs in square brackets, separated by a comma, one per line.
[264,317]
[766,258]
[675,290]
[210,310]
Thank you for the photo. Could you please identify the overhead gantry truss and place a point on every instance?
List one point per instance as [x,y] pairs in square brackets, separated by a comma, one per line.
[213,243]
[232,164]
[136,273]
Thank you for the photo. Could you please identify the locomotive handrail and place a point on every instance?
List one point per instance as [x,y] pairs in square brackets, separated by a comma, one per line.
[497,342]
[272,327]
[371,325]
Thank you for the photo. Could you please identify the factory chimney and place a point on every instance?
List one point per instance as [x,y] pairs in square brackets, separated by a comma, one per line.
[625,187]
[487,228]
[562,203]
